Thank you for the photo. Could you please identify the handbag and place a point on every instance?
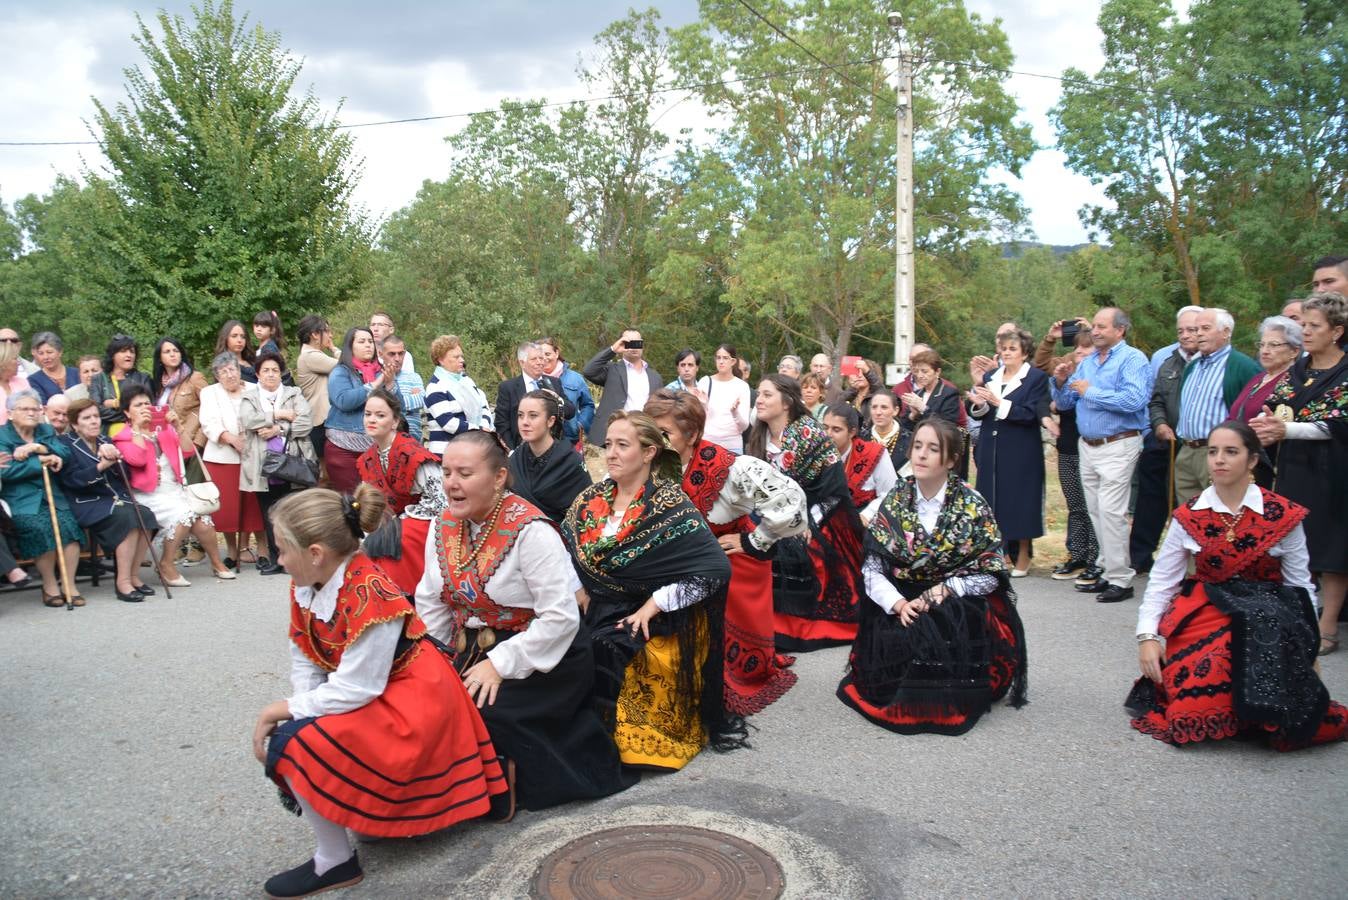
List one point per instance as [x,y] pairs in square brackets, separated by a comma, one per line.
[291,468]
[202,499]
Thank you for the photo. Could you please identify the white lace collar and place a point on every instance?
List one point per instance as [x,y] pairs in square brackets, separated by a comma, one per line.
[323,601]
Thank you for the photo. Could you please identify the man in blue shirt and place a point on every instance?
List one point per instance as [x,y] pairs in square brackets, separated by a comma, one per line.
[1109,390]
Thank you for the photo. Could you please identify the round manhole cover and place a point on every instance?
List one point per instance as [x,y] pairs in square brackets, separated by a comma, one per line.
[655,862]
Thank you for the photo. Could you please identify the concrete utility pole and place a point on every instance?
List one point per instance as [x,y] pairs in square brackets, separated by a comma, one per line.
[903,206]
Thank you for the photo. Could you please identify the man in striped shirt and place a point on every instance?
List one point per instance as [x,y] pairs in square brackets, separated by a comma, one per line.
[1212,381]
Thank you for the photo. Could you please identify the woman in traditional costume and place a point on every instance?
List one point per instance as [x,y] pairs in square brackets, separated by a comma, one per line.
[868,468]
[1240,635]
[380,735]
[408,475]
[1309,421]
[940,639]
[816,583]
[728,490]
[545,470]
[656,580]
[498,591]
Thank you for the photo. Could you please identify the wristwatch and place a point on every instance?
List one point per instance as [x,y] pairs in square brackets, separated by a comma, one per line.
[1143,638]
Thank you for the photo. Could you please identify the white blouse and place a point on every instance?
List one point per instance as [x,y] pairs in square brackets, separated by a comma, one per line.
[1172,560]
[881,480]
[726,421]
[536,574]
[755,486]
[220,413]
[886,596]
[363,671]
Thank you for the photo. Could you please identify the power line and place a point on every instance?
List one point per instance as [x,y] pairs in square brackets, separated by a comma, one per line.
[532,105]
[746,79]
[810,53]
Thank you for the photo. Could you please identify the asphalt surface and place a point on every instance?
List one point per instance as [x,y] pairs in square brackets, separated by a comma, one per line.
[124,741]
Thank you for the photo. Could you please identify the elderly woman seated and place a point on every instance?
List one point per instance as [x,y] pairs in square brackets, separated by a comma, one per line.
[27,446]
[98,489]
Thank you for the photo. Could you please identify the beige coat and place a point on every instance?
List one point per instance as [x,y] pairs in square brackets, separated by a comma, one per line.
[185,400]
[255,413]
[311,374]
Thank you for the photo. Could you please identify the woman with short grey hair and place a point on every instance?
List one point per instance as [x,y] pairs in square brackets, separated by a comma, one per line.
[1279,346]
[226,443]
[790,366]
[52,376]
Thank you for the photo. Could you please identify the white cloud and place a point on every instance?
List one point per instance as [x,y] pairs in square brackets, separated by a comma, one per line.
[52,62]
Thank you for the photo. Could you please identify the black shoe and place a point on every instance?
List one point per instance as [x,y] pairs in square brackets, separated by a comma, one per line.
[22,583]
[1091,587]
[231,563]
[1090,574]
[503,805]
[301,880]
[262,563]
[133,597]
[271,568]
[1067,569]
[1114,594]
[144,590]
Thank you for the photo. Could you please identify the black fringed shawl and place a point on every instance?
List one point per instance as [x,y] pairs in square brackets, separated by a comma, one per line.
[663,540]
[551,481]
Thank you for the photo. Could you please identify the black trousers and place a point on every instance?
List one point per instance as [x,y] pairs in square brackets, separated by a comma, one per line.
[1155,503]
[266,500]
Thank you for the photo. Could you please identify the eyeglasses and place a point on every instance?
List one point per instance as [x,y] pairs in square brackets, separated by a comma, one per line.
[30,410]
[8,340]
[1272,345]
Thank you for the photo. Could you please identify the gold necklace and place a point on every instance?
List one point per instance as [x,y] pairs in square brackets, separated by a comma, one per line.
[1231,522]
[458,549]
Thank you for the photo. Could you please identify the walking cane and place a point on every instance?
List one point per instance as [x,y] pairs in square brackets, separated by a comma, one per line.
[67,585]
[1170,478]
[145,532]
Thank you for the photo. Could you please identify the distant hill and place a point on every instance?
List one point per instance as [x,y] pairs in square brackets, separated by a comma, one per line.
[1014,249]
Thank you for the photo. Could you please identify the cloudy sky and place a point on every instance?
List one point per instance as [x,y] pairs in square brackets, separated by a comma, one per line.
[403,58]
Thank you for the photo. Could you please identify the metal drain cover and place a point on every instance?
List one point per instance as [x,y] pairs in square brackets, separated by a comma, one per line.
[658,863]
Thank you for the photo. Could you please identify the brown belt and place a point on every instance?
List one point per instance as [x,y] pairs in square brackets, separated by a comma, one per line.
[1100,442]
[1194,445]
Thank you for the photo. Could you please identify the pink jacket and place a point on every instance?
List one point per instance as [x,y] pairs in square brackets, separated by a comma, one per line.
[141,460]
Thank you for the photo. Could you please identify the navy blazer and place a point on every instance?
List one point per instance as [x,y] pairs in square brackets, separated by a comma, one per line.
[92,494]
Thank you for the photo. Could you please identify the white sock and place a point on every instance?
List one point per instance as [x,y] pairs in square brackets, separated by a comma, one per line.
[333,848]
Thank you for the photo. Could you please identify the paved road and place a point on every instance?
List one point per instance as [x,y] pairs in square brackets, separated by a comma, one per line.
[124,745]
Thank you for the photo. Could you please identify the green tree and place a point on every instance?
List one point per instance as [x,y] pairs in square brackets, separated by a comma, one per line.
[814,148]
[232,194]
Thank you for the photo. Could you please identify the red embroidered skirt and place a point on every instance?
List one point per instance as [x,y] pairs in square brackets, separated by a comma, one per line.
[831,620]
[414,760]
[752,677]
[238,509]
[1194,701]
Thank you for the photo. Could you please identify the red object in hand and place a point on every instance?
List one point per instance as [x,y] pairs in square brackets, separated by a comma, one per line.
[849,366]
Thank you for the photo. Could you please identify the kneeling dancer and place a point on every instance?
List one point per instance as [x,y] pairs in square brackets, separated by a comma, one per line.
[379,736]
[1240,635]
[498,590]
[656,580]
[728,489]
[940,639]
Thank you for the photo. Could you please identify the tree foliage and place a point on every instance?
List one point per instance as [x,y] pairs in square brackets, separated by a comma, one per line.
[1221,142]
[228,193]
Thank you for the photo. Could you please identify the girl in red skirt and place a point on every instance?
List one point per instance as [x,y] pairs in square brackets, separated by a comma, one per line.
[1240,635]
[379,735]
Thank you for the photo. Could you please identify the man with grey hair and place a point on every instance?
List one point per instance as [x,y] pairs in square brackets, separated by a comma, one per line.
[625,375]
[57,413]
[1155,498]
[790,366]
[1109,390]
[1211,383]
[513,390]
[822,366]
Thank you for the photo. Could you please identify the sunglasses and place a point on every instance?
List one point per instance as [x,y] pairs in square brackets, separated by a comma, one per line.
[8,340]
